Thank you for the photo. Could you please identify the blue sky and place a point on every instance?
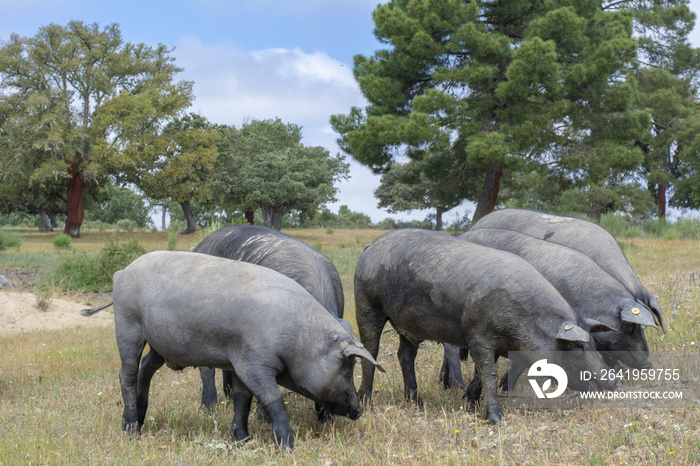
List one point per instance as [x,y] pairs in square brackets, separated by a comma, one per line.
[251,59]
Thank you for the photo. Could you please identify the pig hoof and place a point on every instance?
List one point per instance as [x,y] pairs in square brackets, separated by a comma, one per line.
[494,416]
[365,398]
[131,428]
[240,436]
[416,400]
[243,440]
[323,416]
[471,406]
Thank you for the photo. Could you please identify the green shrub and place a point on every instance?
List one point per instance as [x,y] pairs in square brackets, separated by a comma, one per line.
[215,225]
[688,228]
[620,226]
[9,239]
[94,272]
[172,240]
[62,241]
[126,225]
[671,234]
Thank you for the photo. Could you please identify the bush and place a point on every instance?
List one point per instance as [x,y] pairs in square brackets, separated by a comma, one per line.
[172,240]
[9,239]
[126,225]
[620,227]
[62,241]
[94,273]
[688,228]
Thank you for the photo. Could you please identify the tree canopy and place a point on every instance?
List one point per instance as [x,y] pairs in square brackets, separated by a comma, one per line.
[502,90]
[263,164]
[176,163]
[96,96]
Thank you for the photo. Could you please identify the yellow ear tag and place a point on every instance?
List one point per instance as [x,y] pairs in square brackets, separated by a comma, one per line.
[635,310]
[568,326]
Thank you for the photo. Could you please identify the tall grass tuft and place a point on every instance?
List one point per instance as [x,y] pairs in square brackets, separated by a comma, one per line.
[172,240]
[620,227]
[688,228]
[9,239]
[62,241]
[94,273]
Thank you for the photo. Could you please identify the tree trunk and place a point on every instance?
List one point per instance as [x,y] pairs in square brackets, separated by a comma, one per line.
[595,211]
[163,217]
[189,217]
[489,193]
[250,216]
[52,218]
[272,218]
[662,200]
[74,204]
[45,219]
[438,218]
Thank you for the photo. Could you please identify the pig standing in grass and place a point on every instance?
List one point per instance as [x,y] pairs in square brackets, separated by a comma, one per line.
[431,286]
[587,288]
[286,255]
[585,237]
[198,310]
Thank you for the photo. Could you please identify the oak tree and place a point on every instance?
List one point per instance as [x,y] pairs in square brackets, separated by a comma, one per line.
[106,93]
[264,164]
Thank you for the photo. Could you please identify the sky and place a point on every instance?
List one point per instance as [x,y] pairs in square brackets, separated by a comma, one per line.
[253,59]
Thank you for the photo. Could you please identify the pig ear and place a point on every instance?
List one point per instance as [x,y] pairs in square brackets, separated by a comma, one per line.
[572,332]
[348,328]
[638,314]
[597,326]
[356,349]
[656,309]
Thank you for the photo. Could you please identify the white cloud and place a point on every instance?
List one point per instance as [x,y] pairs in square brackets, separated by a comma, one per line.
[234,85]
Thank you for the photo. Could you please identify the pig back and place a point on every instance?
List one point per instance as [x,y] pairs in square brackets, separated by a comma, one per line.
[282,253]
[583,236]
[217,304]
[420,276]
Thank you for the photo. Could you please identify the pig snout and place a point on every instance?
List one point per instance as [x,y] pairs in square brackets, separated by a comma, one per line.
[354,413]
[352,410]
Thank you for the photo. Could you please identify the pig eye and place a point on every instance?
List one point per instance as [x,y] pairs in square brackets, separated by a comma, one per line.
[578,346]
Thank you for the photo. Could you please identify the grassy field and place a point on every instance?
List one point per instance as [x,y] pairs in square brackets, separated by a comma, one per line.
[60,401]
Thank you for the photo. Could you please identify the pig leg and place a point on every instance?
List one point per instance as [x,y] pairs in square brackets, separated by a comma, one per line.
[262,383]
[370,322]
[208,386]
[473,392]
[511,377]
[130,343]
[322,414]
[485,369]
[407,358]
[227,377]
[451,370]
[242,399]
[149,365]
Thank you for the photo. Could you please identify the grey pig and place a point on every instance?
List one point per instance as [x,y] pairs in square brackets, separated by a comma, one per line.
[431,286]
[286,255]
[199,310]
[587,288]
[581,235]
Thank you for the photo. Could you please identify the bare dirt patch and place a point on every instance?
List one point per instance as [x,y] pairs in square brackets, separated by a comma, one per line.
[19,313]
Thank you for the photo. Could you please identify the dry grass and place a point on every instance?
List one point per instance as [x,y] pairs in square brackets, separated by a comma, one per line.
[60,401]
